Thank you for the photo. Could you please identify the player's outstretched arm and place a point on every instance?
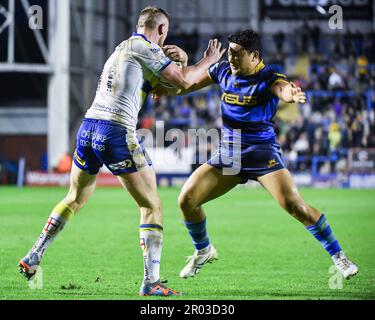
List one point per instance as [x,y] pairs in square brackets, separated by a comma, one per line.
[288,92]
[202,82]
[186,78]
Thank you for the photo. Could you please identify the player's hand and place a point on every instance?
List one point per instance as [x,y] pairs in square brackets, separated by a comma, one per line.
[214,50]
[176,54]
[298,95]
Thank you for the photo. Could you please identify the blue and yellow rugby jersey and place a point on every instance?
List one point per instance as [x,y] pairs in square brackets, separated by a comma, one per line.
[247,102]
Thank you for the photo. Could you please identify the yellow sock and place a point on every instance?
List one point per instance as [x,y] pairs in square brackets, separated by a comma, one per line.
[64,211]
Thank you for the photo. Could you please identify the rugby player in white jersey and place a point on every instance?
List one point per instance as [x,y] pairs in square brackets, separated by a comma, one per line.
[108,136]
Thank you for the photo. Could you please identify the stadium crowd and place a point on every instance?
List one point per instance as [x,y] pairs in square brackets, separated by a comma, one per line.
[339,114]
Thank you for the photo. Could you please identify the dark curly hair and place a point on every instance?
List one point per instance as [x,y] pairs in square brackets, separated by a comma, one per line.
[248,39]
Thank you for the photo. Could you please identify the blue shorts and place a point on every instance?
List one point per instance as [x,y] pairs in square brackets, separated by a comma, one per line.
[104,142]
[250,162]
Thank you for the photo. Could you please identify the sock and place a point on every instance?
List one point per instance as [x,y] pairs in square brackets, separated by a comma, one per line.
[198,234]
[151,240]
[323,233]
[60,215]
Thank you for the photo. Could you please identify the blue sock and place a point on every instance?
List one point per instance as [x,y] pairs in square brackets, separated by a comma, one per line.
[198,233]
[323,233]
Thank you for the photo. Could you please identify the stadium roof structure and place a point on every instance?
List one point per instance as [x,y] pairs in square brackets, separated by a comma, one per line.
[72,39]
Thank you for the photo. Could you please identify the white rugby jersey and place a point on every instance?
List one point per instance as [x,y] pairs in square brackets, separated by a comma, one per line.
[129,75]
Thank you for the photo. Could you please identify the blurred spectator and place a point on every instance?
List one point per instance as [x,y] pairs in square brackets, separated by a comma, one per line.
[337,108]
[337,50]
[302,145]
[356,131]
[324,78]
[334,137]
[184,109]
[335,81]
[362,67]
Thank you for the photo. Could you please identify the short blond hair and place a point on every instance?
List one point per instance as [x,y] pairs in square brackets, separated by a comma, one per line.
[150,17]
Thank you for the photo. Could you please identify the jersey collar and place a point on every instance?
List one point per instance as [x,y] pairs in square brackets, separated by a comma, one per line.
[260,66]
[135,34]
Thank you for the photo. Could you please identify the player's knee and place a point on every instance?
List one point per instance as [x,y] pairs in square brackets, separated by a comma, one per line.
[76,201]
[296,206]
[186,202]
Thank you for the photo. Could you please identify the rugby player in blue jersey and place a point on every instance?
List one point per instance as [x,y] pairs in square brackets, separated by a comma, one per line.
[108,137]
[250,93]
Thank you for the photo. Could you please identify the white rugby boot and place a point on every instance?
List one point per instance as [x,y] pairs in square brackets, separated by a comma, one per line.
[197,261]
[28,266]
[344,265]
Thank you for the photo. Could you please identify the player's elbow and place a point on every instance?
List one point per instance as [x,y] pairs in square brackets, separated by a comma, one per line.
[179,78]
[181,83]
[185,84]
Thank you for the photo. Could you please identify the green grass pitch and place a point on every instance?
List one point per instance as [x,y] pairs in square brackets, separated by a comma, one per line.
[263,252]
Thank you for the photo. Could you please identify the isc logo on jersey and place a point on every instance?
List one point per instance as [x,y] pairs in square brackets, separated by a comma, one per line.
[239,100]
